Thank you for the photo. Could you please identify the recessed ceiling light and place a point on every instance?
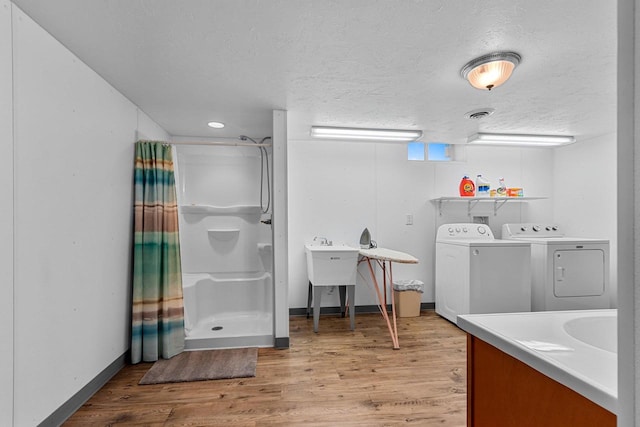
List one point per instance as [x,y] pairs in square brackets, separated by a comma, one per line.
[215,125]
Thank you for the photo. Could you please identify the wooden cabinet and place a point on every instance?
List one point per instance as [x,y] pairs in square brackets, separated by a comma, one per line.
[503,391]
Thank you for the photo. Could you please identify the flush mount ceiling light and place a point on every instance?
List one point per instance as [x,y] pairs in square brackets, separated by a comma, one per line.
[215,125]
[520,140]
[490,71]
[328,132]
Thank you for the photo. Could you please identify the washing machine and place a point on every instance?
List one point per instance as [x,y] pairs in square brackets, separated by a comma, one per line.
[476,273]
[567,273]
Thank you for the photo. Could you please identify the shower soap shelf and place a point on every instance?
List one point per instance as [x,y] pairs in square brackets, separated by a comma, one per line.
[265,247]
[220,210]
[224,234]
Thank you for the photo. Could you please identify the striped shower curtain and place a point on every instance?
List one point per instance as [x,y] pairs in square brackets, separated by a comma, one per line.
[158,311]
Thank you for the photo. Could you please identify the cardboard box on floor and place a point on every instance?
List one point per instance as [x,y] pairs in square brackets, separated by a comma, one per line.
[407,303]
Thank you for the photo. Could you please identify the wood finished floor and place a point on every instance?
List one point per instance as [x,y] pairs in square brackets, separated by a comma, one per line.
[337,377]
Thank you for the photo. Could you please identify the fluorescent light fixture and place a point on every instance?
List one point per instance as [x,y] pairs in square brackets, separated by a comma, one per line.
[520,140]
[215,125]
[328,132]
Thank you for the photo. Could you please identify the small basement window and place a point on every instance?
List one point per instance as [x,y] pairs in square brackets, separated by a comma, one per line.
[439,152]
[436,152]
[415,151]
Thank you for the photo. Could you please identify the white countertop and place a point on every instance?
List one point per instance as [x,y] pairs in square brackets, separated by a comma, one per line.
[540,340]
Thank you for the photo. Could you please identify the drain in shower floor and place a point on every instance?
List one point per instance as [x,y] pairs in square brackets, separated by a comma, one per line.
[216,328]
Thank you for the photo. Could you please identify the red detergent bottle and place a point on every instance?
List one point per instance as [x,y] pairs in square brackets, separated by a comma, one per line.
[467,187]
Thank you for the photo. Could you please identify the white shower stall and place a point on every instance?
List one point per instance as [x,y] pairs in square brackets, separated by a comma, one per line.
[226,245]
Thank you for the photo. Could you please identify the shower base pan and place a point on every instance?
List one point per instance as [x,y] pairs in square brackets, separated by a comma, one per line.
[248,329]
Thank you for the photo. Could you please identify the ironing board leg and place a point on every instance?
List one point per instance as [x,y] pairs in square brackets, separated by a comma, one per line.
[393,303]
[393,331]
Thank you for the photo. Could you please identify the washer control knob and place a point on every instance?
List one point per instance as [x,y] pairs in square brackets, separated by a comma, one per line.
[547,228]
[481,230]
[536,228]
[554,228]
[523,228]
[457,229]
[450,230]
[464,229]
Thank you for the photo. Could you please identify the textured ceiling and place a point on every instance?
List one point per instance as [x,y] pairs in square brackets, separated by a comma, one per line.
[364,63]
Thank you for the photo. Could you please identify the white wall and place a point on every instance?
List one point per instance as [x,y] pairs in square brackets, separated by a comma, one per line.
[73,139]
[6,218]
[336,189]
[628,163]
[280,229]
[148,130]
[331,194]
[585,199]
[528,168]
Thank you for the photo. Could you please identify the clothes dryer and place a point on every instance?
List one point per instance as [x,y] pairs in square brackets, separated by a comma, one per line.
[568,273]
[476,273]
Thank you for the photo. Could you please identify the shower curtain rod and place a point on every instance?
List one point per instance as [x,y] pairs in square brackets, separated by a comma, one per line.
[231,144]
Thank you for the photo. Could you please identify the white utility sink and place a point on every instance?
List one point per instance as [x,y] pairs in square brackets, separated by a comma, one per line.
[332,265]
[329,265]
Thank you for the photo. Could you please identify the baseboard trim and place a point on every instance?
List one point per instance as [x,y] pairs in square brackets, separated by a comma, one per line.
[68,408]
[359,309]
[281,343]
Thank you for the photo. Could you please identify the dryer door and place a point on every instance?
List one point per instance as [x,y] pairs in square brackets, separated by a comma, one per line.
[578,272]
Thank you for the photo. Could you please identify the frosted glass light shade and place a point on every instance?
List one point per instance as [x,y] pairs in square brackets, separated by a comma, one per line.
[490,71]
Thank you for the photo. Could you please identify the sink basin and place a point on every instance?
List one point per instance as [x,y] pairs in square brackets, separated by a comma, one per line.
[597,331]
[332,265]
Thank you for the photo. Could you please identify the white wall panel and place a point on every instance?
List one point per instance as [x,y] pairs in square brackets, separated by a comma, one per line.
[6,217]
[528,168]
[404,188]
[585,193]
[338,188]
[281,277]
[332,193]
[628,212]
[149,130]
[73,163]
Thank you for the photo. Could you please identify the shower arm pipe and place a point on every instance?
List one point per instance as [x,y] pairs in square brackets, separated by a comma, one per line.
[225,143]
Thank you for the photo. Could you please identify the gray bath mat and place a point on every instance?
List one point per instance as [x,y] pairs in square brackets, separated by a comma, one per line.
[203,365]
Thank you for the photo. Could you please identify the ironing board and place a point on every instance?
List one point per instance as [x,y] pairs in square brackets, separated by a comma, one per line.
[383,256]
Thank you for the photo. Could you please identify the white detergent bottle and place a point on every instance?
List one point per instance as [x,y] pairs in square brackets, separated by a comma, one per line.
[482,186]
[501,191]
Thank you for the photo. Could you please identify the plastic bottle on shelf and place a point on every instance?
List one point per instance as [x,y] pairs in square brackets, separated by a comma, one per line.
[482,186]
[467,187]
[501,191]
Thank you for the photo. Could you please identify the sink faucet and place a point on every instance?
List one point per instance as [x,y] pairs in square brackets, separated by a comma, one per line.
[323,241]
